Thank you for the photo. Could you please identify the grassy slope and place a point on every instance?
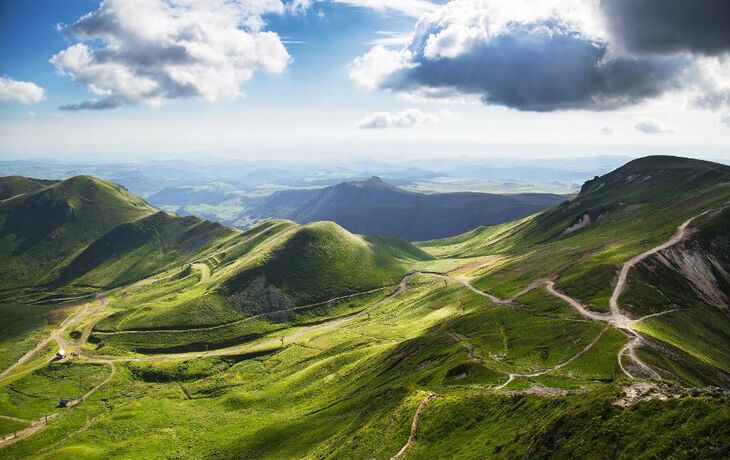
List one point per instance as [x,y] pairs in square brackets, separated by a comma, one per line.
[11,186]
[350,392]
[632,209]
[692,323]
[23,326]
[322,260]
[41,231]
[138,249]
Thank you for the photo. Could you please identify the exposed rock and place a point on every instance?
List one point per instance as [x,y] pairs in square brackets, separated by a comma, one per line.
[641,391]
[259,298]
[704,271]
[582,223]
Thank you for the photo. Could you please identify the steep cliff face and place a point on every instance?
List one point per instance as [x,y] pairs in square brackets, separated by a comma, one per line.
[706,270]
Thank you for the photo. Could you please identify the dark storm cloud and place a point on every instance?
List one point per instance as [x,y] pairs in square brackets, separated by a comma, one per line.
[668,26]
[542,67]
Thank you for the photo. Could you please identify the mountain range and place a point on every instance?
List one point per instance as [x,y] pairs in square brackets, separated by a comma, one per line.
[596,328]
[373,206]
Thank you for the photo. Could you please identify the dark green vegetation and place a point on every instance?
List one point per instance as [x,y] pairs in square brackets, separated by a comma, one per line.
[349,263]
[18,185]
[306,341]
[41,230]
[137,249]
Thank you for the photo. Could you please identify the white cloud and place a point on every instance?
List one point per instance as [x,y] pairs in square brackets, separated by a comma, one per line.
[652,126]
[412,8]
[546,55]
[606,131]
[725,120]
[404,119]
[21,92]
[148,52]
[525,54]
[371,70]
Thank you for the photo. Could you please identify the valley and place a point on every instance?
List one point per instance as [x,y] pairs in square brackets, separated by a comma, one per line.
[186,338]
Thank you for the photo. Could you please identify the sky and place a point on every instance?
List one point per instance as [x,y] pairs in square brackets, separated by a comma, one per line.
[119,80]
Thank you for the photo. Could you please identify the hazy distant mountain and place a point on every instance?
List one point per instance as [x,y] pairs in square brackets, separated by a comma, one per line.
[373,206]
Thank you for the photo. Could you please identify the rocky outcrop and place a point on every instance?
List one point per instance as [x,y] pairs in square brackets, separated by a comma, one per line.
[706,271]
[262,298]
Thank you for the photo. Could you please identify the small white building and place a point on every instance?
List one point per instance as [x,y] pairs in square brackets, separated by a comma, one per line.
[60,354]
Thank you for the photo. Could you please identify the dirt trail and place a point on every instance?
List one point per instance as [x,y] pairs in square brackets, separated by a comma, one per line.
[615,317]
[414,427]
[557,366]
[232,323]
[681,233]
[577,306]
[16,419]
[204,270]
[57,335]
[258,345]
[38,425]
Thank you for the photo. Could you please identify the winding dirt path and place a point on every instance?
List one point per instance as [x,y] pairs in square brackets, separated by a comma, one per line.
[57,335]
[681,233]
[16,419]
[38,425]
[232,323]
[336,323]
[614,317]
[583,350]
[414,427]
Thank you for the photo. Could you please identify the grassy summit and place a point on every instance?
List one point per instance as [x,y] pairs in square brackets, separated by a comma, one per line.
[322,260]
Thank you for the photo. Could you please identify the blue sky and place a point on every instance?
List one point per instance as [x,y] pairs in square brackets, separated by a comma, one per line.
[330,78]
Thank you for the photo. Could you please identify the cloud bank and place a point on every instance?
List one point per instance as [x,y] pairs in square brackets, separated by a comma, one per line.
[404,119]
[147,52]
[550,55]
[20,92]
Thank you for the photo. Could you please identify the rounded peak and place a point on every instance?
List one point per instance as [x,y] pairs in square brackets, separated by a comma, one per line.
[667,162]
[80,179]
[373,182]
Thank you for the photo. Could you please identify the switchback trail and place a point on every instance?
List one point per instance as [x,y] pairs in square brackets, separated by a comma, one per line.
[680,235]
[615,316]
[414,427]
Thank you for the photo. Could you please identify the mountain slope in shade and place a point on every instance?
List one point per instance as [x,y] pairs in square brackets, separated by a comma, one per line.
[11,186]
[40,231]
[135,250]
[375,207]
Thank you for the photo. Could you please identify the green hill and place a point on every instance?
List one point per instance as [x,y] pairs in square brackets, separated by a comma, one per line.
[221,353]
[43,230]
[322,260]
[138,249]
[11,186]
[584,243]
